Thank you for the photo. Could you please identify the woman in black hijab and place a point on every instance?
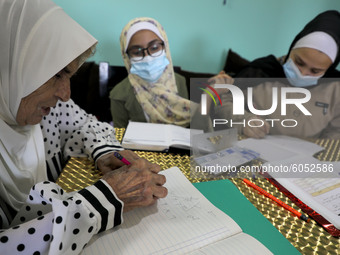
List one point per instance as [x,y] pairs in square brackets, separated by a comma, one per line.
[270,66]
[313,54]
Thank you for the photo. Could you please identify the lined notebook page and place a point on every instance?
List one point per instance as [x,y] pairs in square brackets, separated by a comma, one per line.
[182,222]
[240,244]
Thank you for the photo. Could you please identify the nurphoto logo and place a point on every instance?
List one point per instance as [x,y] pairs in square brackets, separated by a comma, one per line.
[238,103]
[204,98]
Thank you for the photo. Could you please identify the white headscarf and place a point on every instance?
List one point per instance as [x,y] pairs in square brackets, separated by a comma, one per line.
[38,39]
[320,41]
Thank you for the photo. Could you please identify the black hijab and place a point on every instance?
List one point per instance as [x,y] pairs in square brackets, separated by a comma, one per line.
[328,22]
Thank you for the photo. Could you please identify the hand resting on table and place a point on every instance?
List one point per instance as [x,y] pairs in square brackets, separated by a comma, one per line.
[138,184]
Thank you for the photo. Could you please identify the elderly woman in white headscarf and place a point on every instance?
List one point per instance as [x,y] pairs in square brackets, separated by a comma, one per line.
[41,48]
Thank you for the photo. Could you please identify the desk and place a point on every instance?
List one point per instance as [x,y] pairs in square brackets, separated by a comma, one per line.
[308,238]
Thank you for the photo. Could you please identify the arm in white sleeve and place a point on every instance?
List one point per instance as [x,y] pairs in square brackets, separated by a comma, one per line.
[77,133]
[54,222]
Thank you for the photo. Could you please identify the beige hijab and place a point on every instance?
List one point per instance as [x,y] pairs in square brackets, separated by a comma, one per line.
[160,101]
[38,39]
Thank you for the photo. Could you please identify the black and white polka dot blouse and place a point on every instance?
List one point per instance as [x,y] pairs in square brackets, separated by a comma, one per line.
[70,131]
[52,221]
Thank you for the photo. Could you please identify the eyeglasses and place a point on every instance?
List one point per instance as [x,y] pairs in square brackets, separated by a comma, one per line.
[138,53]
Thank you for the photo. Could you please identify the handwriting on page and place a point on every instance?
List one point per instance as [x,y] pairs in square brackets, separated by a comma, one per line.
[332,202]
[180,223]
[183,205]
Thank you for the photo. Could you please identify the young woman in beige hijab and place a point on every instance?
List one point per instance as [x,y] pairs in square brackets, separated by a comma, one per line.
[152,92]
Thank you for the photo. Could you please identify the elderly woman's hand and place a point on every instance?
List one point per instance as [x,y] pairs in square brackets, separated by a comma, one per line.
[138,184]
[109,162]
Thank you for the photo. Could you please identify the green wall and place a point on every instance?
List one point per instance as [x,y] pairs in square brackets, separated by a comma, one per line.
[200,32]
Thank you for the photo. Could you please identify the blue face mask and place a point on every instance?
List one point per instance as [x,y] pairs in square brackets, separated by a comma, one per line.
[150,68]
[295,77]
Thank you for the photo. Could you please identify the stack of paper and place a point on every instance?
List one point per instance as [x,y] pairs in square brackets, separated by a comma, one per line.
[156,137]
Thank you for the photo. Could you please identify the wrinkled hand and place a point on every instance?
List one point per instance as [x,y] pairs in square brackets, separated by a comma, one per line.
[109,162]
[256,132]
[137,185]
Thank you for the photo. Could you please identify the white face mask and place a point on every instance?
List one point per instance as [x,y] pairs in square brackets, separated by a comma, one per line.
[295,77]
[150,68]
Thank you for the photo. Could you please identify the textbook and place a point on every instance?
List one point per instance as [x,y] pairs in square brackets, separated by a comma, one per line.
[156,137]
[320,191]
[185,222]
[290,162]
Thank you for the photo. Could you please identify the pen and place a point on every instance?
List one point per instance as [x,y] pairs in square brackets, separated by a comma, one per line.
[287,207]
[121,158]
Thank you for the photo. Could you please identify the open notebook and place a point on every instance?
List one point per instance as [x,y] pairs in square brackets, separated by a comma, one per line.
[316,183]
[320,190]
[184,222]
[156,137]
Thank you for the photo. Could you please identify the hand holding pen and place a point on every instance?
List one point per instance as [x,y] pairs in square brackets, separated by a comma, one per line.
[138,161]
[259,129]
[137,183]
[121,158]
[110,162]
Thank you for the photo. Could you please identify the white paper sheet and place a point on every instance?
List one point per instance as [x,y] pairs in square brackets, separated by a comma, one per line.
[180,223]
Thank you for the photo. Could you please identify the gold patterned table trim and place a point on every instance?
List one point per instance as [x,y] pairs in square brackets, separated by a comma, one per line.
[308,238]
